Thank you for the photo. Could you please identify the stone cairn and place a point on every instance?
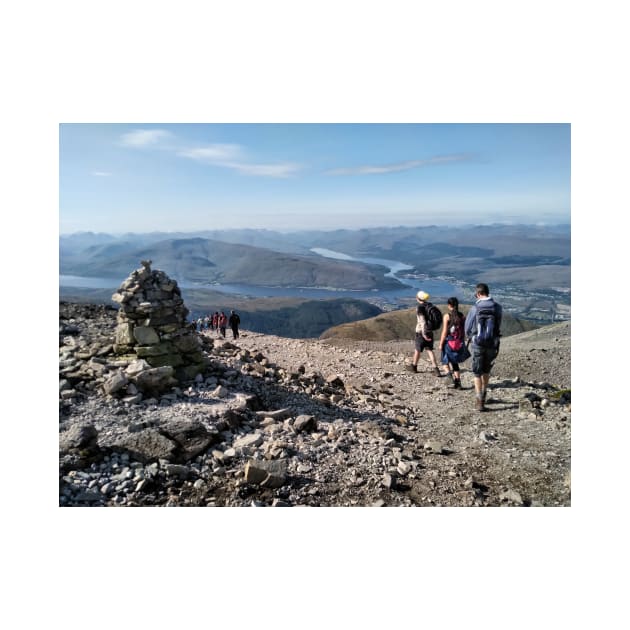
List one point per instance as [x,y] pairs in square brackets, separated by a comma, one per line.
[151,325]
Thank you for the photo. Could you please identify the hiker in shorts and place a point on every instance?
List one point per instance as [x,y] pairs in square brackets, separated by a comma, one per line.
[483,328]
[424,335]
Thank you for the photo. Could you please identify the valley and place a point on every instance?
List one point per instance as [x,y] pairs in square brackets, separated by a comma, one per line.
[324,278]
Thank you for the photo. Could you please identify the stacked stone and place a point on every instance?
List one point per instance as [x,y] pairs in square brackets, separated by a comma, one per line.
[151,323]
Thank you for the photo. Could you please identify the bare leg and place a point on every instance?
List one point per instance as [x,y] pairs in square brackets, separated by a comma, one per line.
[478,386]
[416,357]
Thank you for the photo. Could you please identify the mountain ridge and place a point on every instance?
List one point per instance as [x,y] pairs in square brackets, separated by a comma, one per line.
[206,261]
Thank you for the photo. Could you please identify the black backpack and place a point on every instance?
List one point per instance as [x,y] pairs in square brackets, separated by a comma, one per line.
[433,316]
[486,327]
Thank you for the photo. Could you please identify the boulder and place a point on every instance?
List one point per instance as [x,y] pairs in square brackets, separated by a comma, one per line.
[305,423]
[115,383]
[145,446]
[267,473]
[146,335]
[191,437]
[155,380]
[78,437]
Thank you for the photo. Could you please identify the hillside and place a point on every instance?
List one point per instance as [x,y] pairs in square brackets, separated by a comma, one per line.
[286,422]
[205,261]
[401,324]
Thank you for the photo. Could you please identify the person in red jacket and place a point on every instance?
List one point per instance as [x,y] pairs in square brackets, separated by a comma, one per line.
[222,323]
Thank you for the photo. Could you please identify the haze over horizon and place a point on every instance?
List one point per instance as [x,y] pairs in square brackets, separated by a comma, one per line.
[119,178]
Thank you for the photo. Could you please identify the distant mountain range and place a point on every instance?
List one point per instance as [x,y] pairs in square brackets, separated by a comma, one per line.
[527,256]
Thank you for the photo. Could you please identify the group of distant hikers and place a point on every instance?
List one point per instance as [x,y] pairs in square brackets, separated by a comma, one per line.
[218,322]
[481,327]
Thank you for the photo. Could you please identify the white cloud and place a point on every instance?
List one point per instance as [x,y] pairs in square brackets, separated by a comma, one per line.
[398,167]
[285,169]
[232,156]
[101,174]
[213,153]
[144,137]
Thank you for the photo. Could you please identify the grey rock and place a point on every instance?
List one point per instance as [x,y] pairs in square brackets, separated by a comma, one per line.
[79,436]
[191,437]
[433,446]
[220,392]
[389,481]
[156,380]
[176,470]
[511,496]
[487,436]
[305,423]
[135,367]
[115,383]
[278,414]
[268,473]
[145,446]
[253,439]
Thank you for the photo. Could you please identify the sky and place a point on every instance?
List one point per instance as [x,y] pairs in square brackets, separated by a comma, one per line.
[279,61]
[285,176]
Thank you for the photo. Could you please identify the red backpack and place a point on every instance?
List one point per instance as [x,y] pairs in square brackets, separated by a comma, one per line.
[455,338]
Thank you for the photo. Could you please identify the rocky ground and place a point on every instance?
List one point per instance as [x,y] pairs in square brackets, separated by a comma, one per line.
[292,422]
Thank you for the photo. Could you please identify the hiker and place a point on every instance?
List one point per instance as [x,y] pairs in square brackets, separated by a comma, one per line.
[206,321]
[222,323]
[424,333]
[483,328]
[234,321]
[453,349]
[215,321]
[199,324]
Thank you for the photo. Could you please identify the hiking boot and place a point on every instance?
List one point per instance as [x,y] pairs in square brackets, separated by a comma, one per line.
[479,405]
[412,368]
[457,384]
[437,372]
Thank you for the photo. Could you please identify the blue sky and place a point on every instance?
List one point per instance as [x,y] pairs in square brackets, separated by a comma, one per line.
[182,177]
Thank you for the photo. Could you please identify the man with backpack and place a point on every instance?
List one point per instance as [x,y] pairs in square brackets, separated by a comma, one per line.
[483,328]
[234,322]
[429,318]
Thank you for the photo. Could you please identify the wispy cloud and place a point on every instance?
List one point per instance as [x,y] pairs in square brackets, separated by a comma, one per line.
[283,169]
[213,153]
[232,156]
[399,166]
[144,137]
[101,174]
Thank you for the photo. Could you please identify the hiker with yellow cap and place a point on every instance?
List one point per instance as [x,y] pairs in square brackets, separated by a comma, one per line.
[424,331]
